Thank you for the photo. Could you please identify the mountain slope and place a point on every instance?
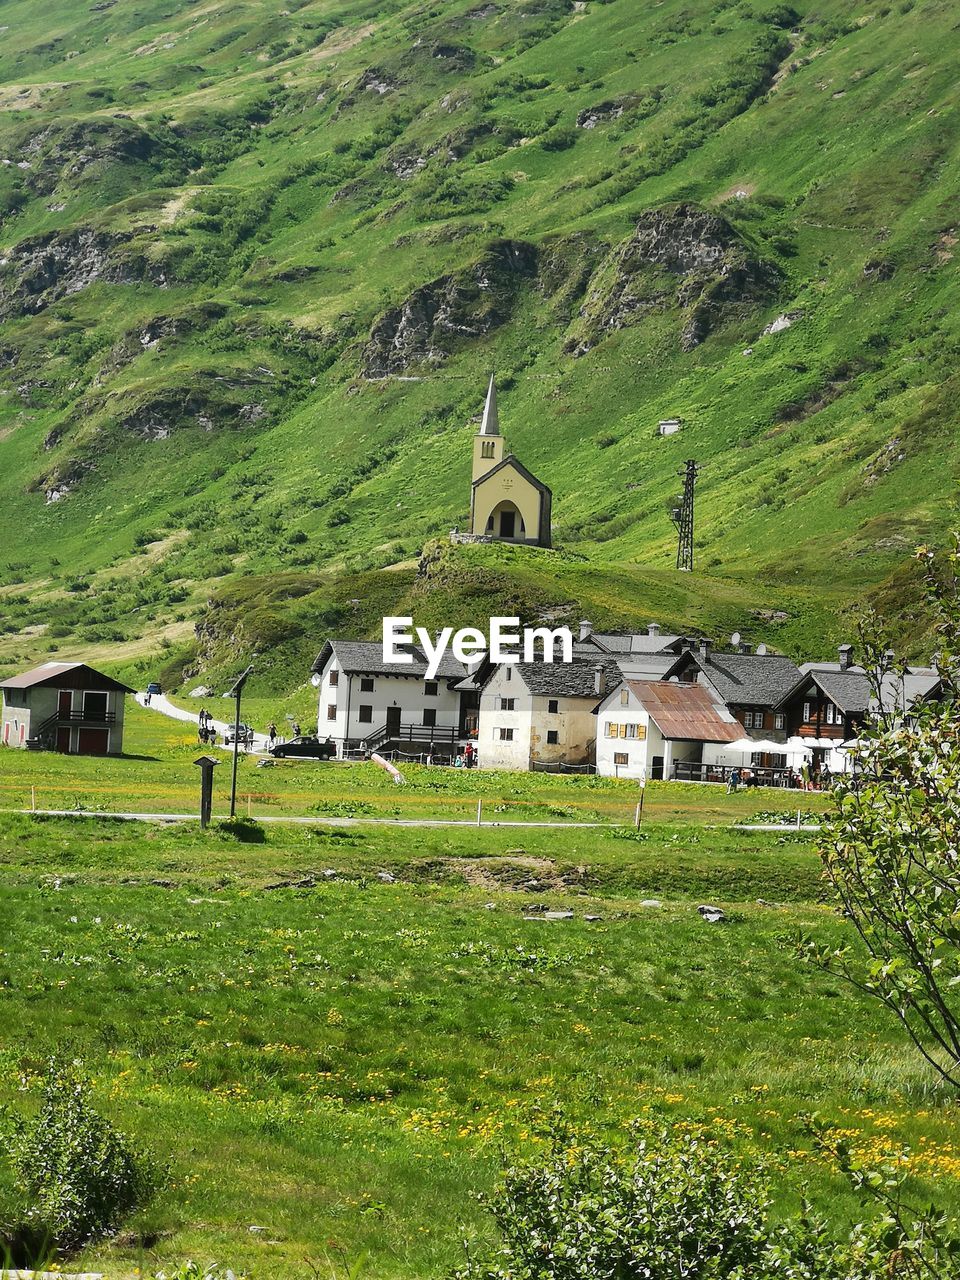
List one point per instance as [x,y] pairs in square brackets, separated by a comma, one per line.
[256,266]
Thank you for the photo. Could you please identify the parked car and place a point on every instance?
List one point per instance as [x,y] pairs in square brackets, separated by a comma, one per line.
[153,688]
[304,747]
[244,734]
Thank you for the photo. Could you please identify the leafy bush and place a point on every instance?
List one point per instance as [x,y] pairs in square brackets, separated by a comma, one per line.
[76,1175]
[683,1207]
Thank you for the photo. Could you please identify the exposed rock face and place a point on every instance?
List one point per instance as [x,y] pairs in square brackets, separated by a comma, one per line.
[62,481]
[590,117]
[680,243]
[43,269]
[80,151]
[434,318]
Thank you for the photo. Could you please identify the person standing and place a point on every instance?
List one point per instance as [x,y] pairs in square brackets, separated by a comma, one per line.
[468,754]
[272,733]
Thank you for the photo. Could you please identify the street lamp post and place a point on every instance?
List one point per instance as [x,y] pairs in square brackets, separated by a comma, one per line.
[236,692]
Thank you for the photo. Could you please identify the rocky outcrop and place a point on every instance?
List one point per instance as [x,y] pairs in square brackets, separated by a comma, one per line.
[435,318]
[79,152]
[43,269]
[681,254]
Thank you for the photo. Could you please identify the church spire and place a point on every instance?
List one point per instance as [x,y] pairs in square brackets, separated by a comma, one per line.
[490,426]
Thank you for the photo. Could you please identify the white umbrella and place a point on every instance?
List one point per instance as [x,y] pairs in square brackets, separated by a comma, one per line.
[754,744]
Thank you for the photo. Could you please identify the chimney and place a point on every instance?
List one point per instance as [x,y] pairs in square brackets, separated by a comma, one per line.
[653,628]
[846,656]
[586,629]
[599,680]
[704,646]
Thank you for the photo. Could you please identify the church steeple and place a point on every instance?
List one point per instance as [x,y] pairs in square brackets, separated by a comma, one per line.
[490,426]
[488,442]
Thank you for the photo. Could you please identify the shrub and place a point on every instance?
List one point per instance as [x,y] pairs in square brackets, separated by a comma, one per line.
[77,1175]
[683,1207]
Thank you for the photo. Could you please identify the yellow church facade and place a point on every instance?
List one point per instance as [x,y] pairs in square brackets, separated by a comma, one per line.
[507,502]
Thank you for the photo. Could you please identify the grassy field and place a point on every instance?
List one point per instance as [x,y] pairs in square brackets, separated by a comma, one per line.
[339,1061]
[157,775]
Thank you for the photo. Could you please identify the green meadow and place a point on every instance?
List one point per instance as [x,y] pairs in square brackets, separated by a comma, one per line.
[329,1066]
[331,1037]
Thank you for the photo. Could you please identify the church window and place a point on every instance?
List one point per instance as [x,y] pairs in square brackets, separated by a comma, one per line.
[487,449]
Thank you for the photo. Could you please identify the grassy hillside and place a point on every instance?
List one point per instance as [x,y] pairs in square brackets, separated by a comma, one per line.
[256,265]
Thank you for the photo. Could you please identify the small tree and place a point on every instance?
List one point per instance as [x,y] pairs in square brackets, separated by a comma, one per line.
[892,847]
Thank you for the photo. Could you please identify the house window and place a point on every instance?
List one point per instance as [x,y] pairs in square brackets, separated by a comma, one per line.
[753,719]
[621,757]
[807,711]
[508,673]
[430,689]
[505,735]
[779,720]
[624,697]
[334,679]
[487,449]
[553,706]
[430,717]
[553,737]
[331,711]
[833,714]
[506,704]
[366,684]
[635,731]
[365,713]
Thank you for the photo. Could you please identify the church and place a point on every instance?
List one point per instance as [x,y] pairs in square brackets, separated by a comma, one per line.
[507,502]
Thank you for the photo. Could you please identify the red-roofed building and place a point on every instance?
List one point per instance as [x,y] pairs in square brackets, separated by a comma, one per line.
[645,727]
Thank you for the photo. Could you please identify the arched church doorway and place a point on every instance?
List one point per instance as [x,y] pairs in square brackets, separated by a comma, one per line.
[505,521]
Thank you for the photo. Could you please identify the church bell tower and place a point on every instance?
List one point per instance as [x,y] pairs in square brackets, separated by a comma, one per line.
[488,442]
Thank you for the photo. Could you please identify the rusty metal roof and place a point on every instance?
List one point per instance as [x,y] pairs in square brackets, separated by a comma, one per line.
[685,711]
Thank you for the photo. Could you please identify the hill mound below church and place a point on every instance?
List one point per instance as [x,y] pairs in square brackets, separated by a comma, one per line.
[256,267]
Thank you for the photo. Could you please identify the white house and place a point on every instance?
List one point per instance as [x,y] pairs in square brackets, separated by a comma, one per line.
[644,727]
[541,713]
[368,704]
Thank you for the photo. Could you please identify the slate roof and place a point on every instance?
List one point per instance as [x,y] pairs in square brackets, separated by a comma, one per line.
[365,657]
[567,679]
[746,679]
[639,643]
[66,675]
[852,690]
[685,712]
